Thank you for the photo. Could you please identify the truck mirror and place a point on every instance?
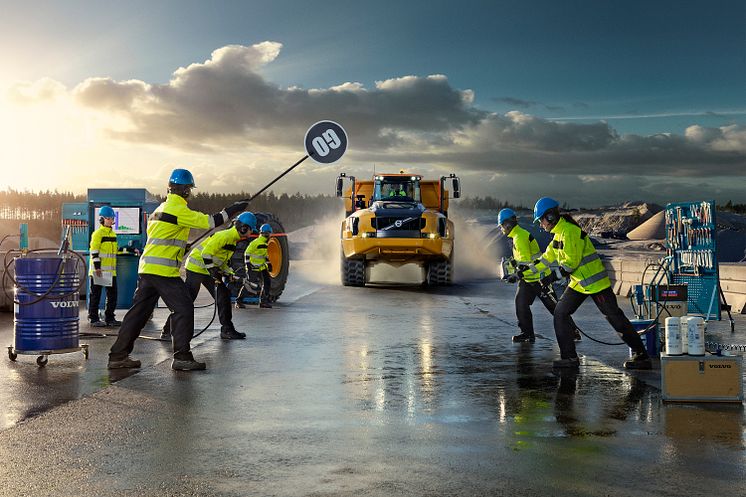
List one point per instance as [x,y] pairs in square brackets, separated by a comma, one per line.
[340,185]
[456,188]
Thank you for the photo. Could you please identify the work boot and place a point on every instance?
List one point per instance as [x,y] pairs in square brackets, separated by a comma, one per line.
[187,365]
[232,335]
[567,363]
[125,363]
[98,324]
[576,335]
[639,360]
[523,337]
[265,305]
[113,323]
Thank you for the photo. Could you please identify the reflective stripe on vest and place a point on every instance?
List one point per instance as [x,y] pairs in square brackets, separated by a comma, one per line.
[165,242]
[161,261]
[593,279]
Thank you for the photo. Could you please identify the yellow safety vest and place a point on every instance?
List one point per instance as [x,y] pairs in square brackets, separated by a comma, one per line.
[256,254]
[525,251]
[103,249]
[215,251]
[576,255]
[168,232]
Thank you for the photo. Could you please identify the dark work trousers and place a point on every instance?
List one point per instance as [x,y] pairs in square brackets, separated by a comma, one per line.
[525,295]
[606,302]
[266,285]
[175,294]
[95,299]
[222,301]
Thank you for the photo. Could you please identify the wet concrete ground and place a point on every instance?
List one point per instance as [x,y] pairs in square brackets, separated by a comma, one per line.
[387,390]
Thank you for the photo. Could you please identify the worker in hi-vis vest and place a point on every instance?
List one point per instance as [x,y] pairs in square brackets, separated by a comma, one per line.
[103,255]
[257,260]
[168,232]
[525,250]
[208,264]
[573,250]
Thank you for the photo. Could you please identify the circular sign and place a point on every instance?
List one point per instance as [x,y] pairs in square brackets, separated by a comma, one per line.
[325,142]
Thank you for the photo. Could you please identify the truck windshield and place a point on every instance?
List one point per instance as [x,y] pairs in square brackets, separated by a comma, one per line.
[397,189]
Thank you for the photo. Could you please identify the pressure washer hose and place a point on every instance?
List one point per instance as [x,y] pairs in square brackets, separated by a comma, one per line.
[41,296]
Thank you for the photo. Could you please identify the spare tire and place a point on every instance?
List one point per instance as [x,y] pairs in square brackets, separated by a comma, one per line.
[277,251]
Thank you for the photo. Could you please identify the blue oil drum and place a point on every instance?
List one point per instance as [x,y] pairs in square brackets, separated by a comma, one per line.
[50,322]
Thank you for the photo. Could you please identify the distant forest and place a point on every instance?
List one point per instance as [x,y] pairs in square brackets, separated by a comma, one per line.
[43,210]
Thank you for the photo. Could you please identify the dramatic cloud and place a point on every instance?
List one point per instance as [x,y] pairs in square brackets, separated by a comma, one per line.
[226,102]
[517,102]
[224,110]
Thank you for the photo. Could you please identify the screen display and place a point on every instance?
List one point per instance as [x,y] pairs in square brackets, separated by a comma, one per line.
[126,220]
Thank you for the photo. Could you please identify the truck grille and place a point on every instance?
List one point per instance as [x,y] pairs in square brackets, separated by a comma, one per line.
[390,223]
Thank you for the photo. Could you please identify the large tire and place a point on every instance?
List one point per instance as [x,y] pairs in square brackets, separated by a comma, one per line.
[353,272]
[439,273]
[278,252]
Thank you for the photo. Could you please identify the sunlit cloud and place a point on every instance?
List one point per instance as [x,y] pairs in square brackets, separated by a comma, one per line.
[226,120]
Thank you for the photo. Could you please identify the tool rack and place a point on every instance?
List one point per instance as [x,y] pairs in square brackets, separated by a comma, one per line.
[691,240]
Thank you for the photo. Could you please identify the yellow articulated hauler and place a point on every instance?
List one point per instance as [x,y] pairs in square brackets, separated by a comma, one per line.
[397,219]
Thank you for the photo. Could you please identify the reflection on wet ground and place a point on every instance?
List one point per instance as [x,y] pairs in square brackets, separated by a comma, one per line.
[387,389]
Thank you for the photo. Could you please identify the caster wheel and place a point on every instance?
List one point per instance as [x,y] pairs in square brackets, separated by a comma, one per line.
[12,355]
[42,360]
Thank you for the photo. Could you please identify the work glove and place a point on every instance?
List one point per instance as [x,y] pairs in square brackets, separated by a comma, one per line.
[269,267]
[512,278]
[549,279]
[237,207]
[565,273]
[215,274]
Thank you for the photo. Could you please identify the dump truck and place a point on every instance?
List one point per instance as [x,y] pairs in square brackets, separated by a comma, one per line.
[397,219]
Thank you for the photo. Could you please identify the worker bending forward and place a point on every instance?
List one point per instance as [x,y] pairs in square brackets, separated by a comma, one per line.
[573,250]
[525,250]
[258,261]
[208,264]
[168,232]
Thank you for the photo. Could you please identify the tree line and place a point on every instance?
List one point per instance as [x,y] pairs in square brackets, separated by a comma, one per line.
[43,210]
[731,207]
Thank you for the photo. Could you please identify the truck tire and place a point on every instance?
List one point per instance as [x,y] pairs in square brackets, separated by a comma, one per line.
[439,273]
[278,252]
[353,272]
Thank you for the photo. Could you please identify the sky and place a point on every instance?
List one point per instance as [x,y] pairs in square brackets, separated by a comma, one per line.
[589,102]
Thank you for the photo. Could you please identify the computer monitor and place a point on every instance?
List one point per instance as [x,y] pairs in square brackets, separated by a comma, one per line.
[126,220]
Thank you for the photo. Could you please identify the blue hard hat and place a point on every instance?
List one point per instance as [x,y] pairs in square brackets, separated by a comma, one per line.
[181,177]
[248,219]
[106,211]
[542,206]
[504,215]
[266,228]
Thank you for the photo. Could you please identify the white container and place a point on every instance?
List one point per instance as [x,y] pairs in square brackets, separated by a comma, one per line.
[684,326]
[695,335]
[673,336]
